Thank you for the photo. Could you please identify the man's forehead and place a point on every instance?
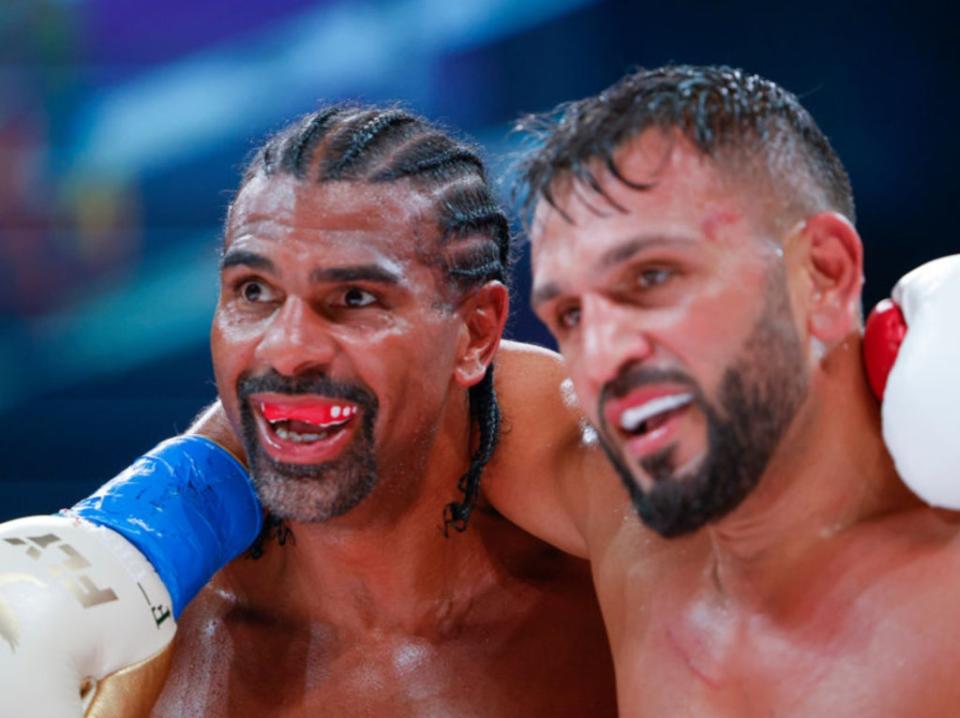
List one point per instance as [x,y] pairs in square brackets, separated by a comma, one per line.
[393,208]
[334,229]
[685,193]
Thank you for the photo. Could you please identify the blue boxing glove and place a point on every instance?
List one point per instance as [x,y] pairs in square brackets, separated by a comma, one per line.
[89,598]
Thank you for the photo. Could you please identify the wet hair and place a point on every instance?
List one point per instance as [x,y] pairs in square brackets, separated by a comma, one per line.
[743,122]
[345,142]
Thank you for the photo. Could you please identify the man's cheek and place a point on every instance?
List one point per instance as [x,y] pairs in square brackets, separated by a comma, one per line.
[225,376]
[221,376]
[228,332]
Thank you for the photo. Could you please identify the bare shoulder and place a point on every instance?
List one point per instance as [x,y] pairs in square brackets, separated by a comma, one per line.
[949,526]
[545,464]
[904,562]
[542,425]
[911,586]
[202,659]
[532,380]
[520,360]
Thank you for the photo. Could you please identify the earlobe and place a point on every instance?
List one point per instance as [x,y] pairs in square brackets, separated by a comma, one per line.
[484,316]
[835,267]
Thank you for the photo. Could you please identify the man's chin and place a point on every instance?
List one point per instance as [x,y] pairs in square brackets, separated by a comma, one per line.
[687,501]
[664,511]
[671,501]
[311,493]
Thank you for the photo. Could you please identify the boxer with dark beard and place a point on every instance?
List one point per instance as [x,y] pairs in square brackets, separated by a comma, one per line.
[758,397]
[694,255]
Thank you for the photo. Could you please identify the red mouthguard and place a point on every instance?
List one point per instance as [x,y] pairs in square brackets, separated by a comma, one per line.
[314,413]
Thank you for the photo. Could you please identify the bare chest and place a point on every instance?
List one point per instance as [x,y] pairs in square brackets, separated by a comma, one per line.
[890,650]
[548,663]
[784,673]
[281,674]
[868,625]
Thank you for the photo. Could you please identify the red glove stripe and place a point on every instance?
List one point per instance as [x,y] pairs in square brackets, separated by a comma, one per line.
[882,338]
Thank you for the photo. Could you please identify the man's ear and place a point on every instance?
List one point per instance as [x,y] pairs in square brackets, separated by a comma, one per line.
[833,262]
[484,313]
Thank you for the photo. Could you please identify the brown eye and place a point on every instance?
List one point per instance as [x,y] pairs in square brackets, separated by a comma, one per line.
[649,278]
[355,297]
[254,291]
[568,317]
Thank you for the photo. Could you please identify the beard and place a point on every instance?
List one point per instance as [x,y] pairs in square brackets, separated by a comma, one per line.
[758,396]
[311,492]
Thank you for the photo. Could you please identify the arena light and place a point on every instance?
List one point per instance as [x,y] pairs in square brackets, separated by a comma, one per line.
[159,119]
[165,117]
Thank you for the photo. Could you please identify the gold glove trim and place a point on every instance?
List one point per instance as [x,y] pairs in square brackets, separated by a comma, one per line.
[132,692]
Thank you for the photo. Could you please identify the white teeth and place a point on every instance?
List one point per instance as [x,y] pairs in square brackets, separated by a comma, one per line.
[339,414]
[631,419]
[296,438]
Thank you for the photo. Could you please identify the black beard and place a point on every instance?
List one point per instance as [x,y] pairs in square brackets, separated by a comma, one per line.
[758,398]
[311,492]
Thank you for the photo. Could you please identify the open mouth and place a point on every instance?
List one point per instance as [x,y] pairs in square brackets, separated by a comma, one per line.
[648,424]
[307,429]
[653,414]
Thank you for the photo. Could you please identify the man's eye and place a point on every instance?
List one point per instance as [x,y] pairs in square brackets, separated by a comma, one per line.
[355,297]
[254,291]
[653,277]
[568,317]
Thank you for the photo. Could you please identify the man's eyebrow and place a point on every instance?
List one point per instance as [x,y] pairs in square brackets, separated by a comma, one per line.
[355,273]
[626,249]
[613,256]
[243,257]
[544,293]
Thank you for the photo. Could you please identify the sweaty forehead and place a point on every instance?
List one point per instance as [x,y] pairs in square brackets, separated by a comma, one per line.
[679,181]
[685,196]
[285,205]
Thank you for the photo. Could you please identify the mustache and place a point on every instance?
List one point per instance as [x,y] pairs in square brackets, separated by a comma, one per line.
[635,376]
[312,383]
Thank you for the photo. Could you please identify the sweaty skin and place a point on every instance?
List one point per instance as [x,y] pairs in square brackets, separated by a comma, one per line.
[824,593]
[375,612]
[821,594]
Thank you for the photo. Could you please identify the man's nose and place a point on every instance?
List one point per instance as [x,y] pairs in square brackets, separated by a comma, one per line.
[612,337]
[297,340]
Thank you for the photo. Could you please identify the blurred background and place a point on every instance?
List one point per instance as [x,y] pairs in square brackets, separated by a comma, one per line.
[123,124]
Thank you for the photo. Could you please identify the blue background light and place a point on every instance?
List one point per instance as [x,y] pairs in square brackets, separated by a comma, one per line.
[123,125]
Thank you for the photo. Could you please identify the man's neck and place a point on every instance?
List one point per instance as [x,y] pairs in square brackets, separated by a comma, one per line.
[386,564]
[831,472]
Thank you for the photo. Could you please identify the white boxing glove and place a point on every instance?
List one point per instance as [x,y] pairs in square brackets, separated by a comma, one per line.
[920,407]
[78,603]
[88,598]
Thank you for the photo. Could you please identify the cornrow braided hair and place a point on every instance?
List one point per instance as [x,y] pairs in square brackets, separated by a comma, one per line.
[345,142]
[486,413]
[720,110]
